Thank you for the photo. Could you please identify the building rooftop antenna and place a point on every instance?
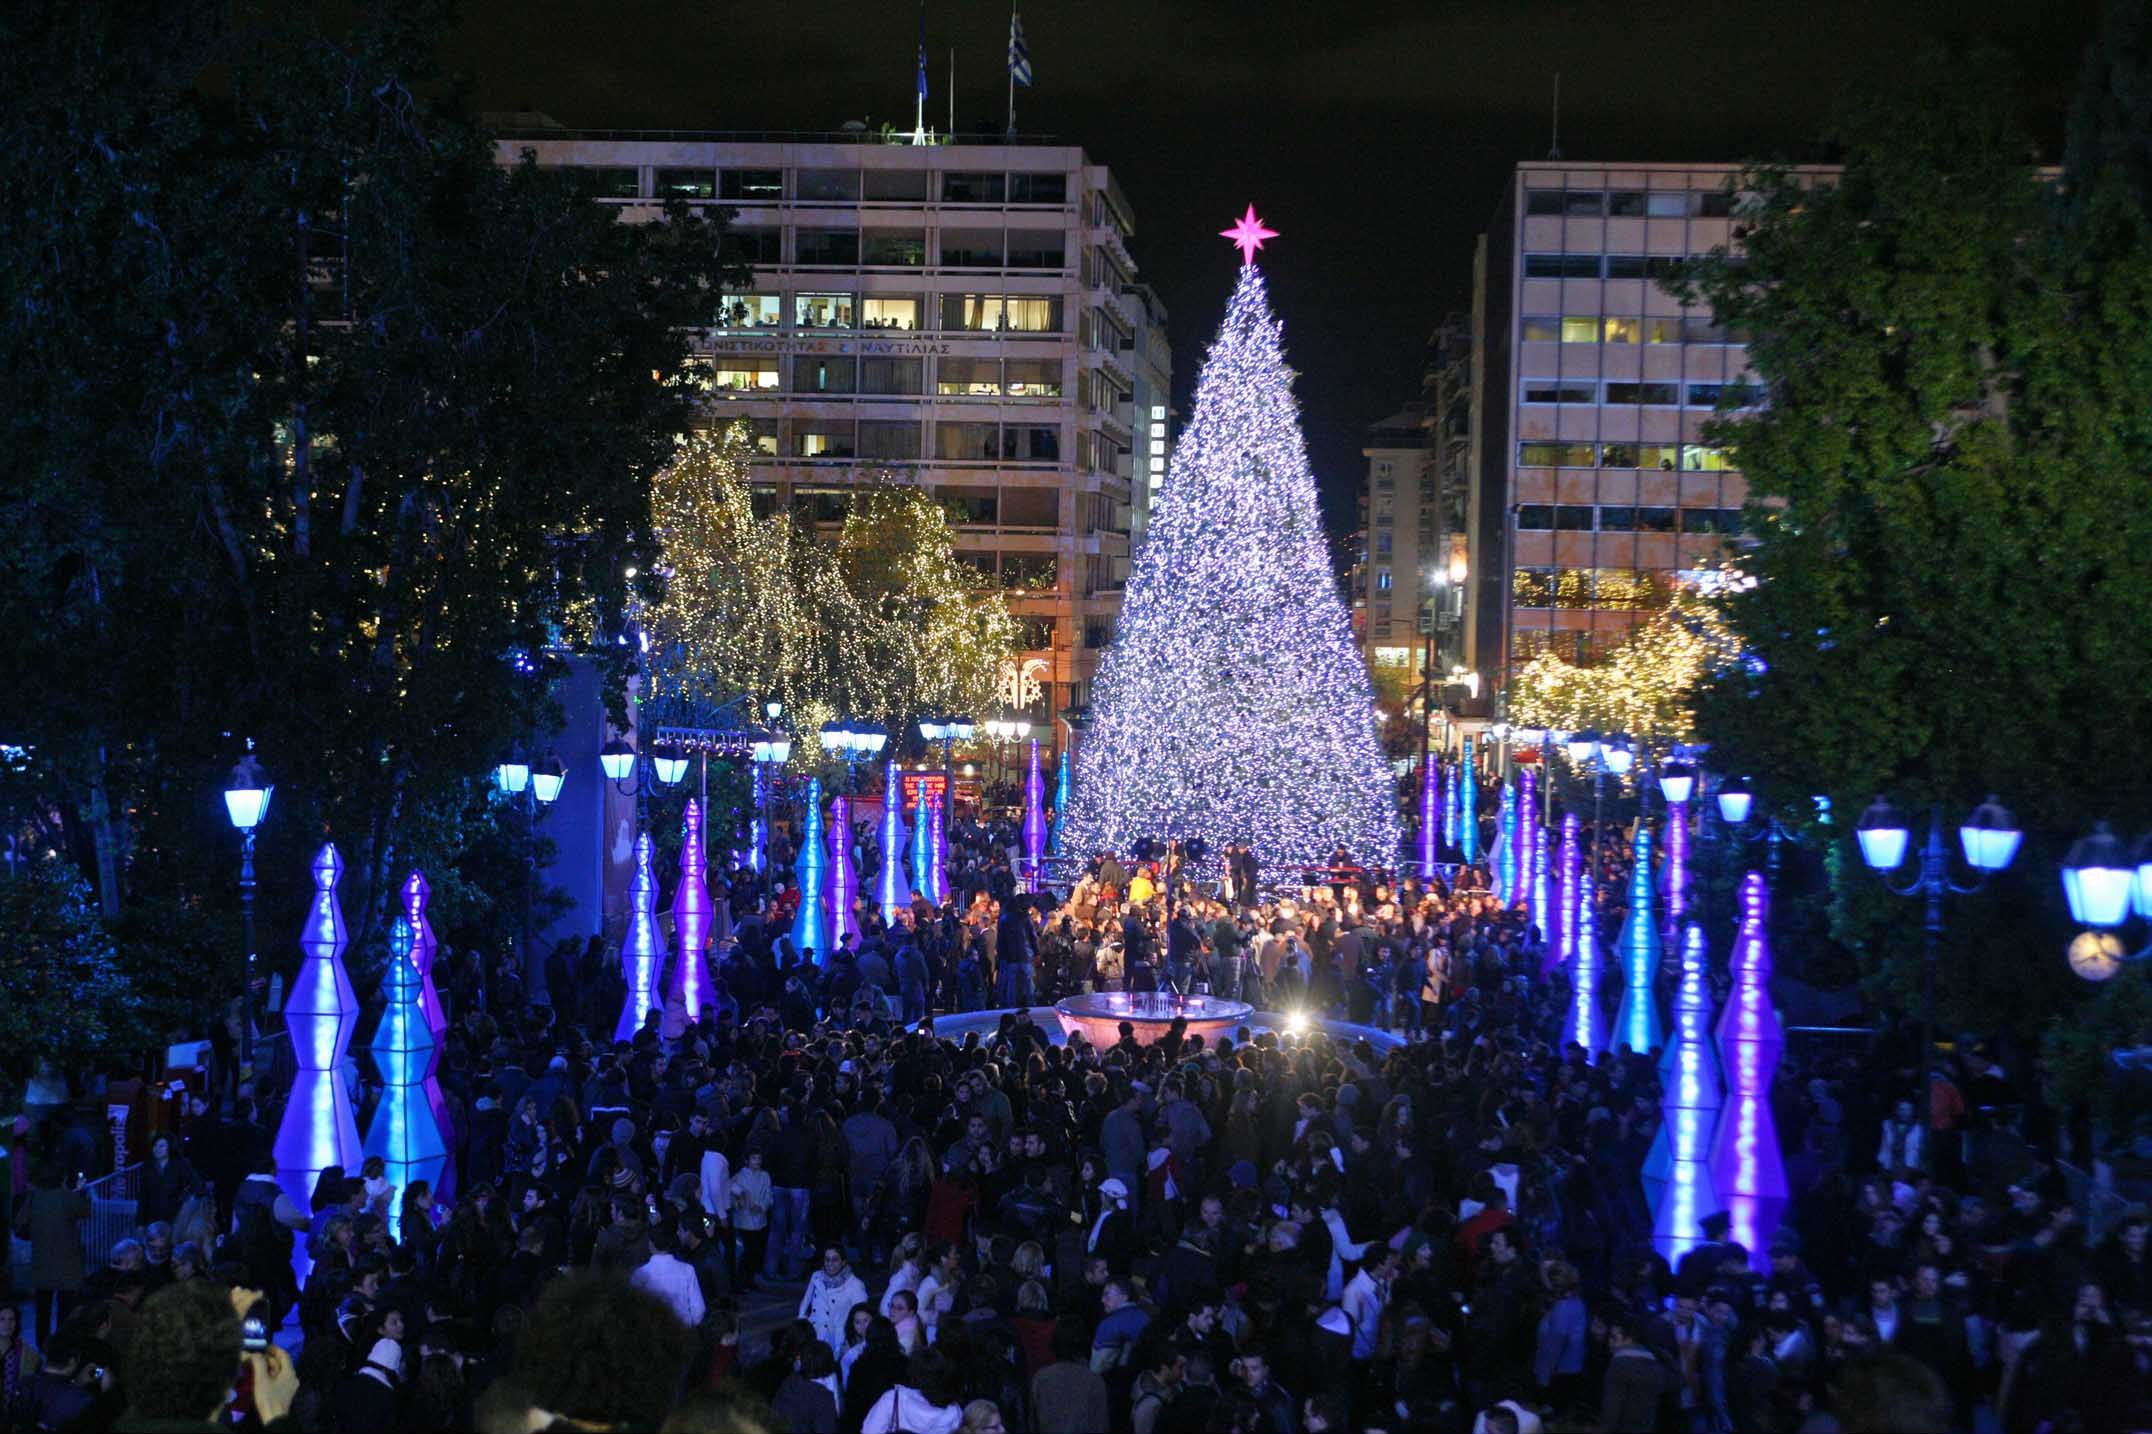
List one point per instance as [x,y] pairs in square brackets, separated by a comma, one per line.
[1554,148]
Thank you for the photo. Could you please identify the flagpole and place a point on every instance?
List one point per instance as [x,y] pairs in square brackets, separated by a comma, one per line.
[952,91]
[919,107]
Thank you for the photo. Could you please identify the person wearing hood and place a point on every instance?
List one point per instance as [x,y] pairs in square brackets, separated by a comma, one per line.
[370,1400]
[929,1400]
[831,1293]
[1113,1233]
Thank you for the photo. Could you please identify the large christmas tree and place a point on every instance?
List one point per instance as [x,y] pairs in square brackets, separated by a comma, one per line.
[1232,705]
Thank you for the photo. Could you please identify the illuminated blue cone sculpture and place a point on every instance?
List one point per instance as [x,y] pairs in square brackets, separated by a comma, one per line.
[1677,1179]
[403,1131]
[843,875]
[642,947]
[1586,1024]
[417,895]
[892,892]
[1468,806]
[1061,805]
[758,830]
[1502,873]
[1034,824]
[692,913]
[1747,1168]
[1562,914]
[923,848]
[1543,914]
[810,925]
[1636,1024]
[1450,840]
[317,1129]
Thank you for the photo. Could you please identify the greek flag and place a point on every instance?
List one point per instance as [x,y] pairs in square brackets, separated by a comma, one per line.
[1019,53]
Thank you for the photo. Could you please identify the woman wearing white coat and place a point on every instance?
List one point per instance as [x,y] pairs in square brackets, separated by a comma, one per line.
[831,1293]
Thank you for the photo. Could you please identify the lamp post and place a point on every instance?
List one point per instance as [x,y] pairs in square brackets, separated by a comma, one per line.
[948,731]
[769,752]
[2104,884]
[856,742]
[1590,752]
[530,789]
[1003,731]
[1544,739]
[1990,841]
[246,802]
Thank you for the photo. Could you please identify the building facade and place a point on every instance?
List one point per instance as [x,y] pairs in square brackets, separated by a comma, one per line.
[962,317]
[1151,363]
[1397,534]
[1596,488]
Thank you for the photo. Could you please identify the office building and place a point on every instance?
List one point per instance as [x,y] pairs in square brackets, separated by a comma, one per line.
[1596,487]
[964,317]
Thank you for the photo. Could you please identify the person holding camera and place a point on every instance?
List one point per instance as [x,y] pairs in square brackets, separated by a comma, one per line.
[199,1350]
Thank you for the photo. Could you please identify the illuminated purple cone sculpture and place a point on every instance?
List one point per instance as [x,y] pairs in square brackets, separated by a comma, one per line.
[810,926]
[1586,1025]
[1468,806]
[1747,1168]
[1034,823]
[1677,1178]
[417,893]
[1524,832]
[403,1131]
[642,946]
[1430,833]
[843,875]
[1232,704]
[1675,875]
[692,914]
[321,1014]
[892,893]
[1562,914]
[1636,1024]
[758,830]
[938,841]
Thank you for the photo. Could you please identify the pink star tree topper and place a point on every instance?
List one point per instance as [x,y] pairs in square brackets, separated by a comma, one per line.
[1248,234]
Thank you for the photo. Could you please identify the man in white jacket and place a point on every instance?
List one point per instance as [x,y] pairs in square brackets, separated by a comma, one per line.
[831,1293]
[715,1178]
[669,1277]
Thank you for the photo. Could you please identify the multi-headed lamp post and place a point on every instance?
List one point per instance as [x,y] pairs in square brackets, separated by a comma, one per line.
[531,788]
[1989,839]
[769,751]
[948,731]
[856,742]
[246,801]
[2104,883]
[1601,756]
[1003,731]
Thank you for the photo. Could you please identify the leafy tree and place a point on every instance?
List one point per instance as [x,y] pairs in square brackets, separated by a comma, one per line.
[67,1000]
[1948,518]
[1646,685]
[320,425]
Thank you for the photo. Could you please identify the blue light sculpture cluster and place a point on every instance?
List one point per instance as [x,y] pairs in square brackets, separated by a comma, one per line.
[403,1132]
[317,1129]
[642,946]
[892,892]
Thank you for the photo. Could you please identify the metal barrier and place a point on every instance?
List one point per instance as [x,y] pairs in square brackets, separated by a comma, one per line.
[114,1200]
[1805,1045]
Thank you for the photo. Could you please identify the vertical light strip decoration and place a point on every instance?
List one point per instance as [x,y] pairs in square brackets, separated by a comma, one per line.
[417,894]
[810,929]
[938,864]
[1061,805]
[1636,1024]
[317,1129]
[843,875]
[1562,931]
[1449,806]
[1430,814]
[692,914]
[642,946]
[403,1132]
[1468,806]
[1524,822]
[758,828]
[1502,875]
[1677,1172]
[1586,1025]
[1543,913]
[892,892]
[1677,866]
[1747,1168]
[1035,824]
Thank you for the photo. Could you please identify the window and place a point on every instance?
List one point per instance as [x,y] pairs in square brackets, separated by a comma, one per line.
[1715,204]
[996,313]
[1625,204]
[1037,249]
[821,439]
[1583,203]
[1098,632]
[828,185]
[687,184]
[1709,520]
[824,373]
[1561,266]
[1701,458]
[1560,390]
[1662,331]
[1580,330]
[1032,443]
[1733,395]
[1535,517]
[614,181]
[895,248]
[1028,570]
[826,247]
[1654,520]
[966,442]
[1034,378]
[1554,455]
[1620,392]
[969,378]
[1532,587]
[1704,331]
[1622,331]
[897,184]
[973,189]
[1543,201]
[1667,204]
[1038,189]
[1641,266]
[1035,508]
[1661,456]
[1617,520]
[750,311]
[751,246]
[1573,518]
[969,507]
[881,312]
[735,373]
[971,248]
[821,505]
[752,184]
[980,563]
[761,435]
[891,375]
[824,311]
[1542,330]
[889,442]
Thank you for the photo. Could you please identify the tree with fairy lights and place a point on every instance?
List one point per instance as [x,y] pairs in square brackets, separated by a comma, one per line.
[1232,705]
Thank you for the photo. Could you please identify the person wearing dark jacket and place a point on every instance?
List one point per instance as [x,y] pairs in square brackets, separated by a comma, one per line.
[1637,1383]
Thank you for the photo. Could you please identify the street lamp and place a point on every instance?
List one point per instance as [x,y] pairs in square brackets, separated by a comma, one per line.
[246,801]
[530,788]
[856,742]
[1989,839]
[948,731]
[769,751]
[1601,756]
[1003,731]
[2104,884]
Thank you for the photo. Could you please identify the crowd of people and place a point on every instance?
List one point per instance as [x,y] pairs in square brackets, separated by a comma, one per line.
[1432,1223]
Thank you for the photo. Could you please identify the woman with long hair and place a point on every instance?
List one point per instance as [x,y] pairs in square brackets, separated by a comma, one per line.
[856,1324]
[877,1370]
[900,1204]
[907,1267]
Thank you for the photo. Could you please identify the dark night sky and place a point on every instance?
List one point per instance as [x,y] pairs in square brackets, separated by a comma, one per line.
[1375,136]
